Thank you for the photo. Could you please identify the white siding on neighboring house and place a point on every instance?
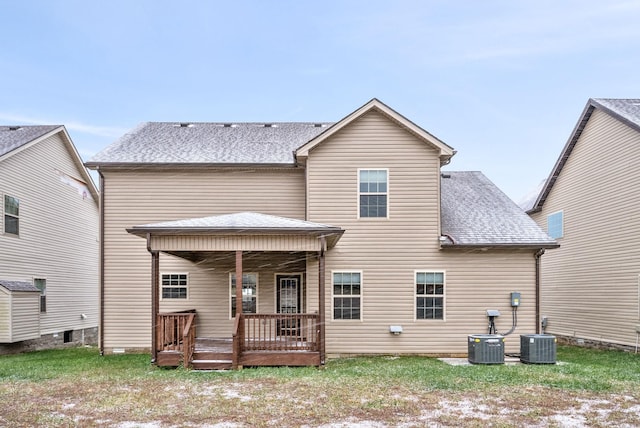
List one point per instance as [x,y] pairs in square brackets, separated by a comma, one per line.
[58,239]
[590,283]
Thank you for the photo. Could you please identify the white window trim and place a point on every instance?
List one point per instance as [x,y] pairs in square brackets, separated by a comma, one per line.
[415,294]
[361,295]
[231,274]
[171,299]
[4,213]
[33,281]
[388,193]
[561,224]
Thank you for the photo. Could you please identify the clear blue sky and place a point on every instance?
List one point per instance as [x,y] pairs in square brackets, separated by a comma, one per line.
[503,82]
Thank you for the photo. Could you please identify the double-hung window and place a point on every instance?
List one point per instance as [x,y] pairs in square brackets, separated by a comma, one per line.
[174,285]
[11,215]
[41,284]
[347,295]
[249,293]
[429,295]
[373,193]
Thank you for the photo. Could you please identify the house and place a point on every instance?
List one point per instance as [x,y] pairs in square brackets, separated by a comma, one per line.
[589,204]
[49,249]
[346,235]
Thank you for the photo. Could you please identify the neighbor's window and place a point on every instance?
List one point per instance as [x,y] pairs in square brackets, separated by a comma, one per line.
[555,227]
[347,295]
[249,293]
[430,295]
[41,284]
[174,285]
[11,215]
[373,192]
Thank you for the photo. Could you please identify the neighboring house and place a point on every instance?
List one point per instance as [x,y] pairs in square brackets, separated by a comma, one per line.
[589,204]
[347,237]
[49,249]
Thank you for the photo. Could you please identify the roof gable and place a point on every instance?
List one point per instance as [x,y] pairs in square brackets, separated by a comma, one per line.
[14,139]
[445,151]
[626,111]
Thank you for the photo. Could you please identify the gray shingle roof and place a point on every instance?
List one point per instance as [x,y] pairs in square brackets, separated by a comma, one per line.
[475,212]
[239,222]
[626,110]
[214,143]
[12,138]
[18,285]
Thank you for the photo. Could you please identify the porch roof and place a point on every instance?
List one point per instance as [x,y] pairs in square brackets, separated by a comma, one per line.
[238,231]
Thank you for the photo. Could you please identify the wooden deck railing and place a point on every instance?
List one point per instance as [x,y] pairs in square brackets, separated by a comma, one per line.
[176,331]
[278,332]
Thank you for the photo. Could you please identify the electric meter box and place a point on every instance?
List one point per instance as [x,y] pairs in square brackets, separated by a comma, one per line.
[538,348]
[486,349]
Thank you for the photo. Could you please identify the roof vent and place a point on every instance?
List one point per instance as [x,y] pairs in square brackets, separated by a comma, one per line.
[270,125]
[184,125]
[445,175]
[319,125]
[14,128]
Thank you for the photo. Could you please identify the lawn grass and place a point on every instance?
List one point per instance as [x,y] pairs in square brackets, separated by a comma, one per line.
[78,387]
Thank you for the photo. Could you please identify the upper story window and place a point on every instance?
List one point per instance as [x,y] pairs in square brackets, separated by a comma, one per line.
[249,293]
[11,215]
[373,192]
[555,225]
[174,285]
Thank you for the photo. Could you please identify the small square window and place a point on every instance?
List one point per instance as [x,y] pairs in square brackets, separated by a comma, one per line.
[174,285]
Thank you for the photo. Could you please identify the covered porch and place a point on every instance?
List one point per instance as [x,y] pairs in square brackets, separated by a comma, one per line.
[282,338]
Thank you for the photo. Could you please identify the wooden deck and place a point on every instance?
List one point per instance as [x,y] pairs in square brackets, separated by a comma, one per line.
[259,340]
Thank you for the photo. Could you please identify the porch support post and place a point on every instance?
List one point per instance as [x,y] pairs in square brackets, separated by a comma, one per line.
[321,304]
[155,302]
[238,283]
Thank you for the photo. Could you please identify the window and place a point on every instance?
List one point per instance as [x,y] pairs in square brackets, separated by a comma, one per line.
[373,192]
[174,285]
[347,295]
[11,215]
[41,284]
[429,295]
[555,227]
[249,293]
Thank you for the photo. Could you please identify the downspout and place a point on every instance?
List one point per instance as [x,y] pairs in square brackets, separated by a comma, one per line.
[537,256]
[101,237]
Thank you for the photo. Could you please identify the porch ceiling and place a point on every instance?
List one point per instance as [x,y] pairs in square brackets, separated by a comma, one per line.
[232,232]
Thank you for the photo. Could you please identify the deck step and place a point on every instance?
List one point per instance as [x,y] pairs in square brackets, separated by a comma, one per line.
[212,364]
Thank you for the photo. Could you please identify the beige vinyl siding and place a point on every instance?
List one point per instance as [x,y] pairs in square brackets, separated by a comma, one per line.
[142,197]
[590,284]
[5,315]
[389,251]
[25,323]
[58,237]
